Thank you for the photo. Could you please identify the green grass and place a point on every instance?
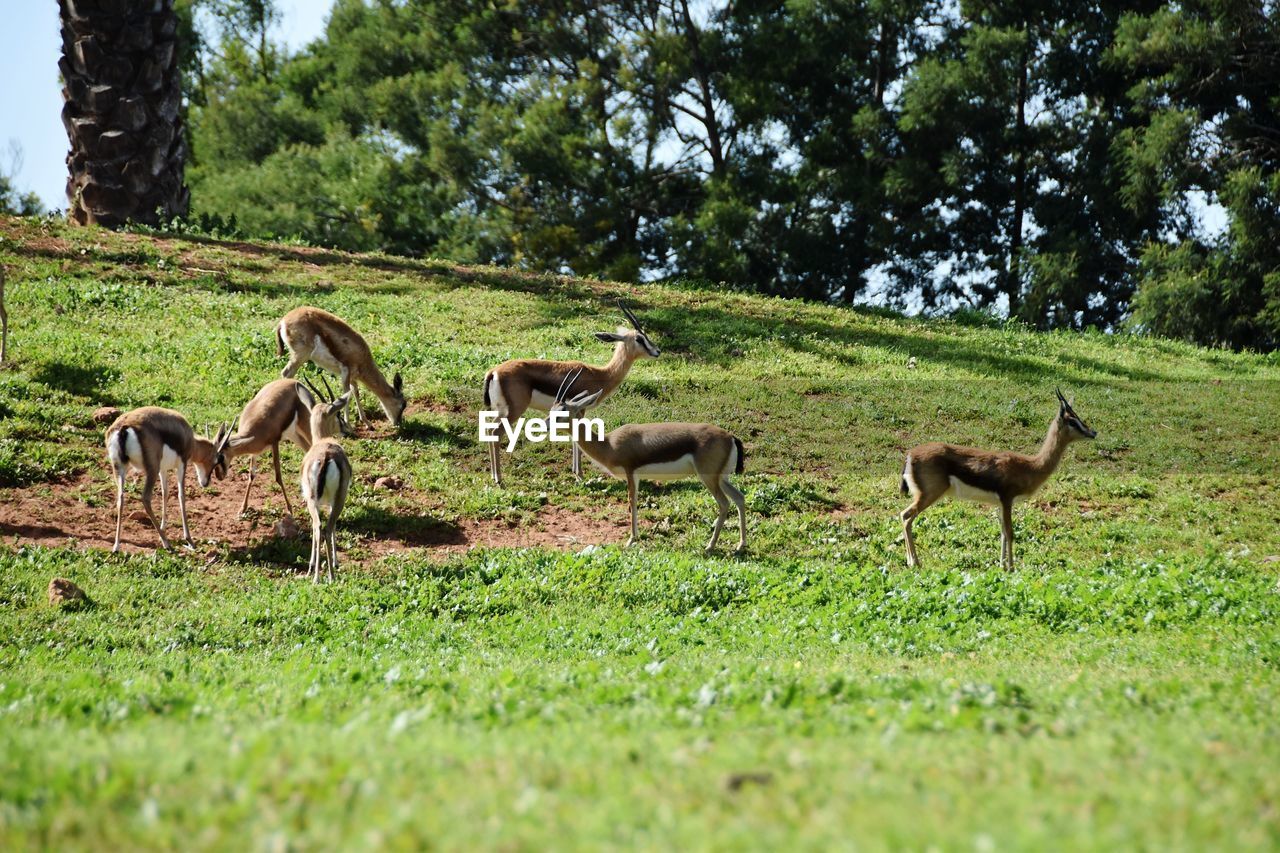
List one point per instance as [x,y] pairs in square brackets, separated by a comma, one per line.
[1118,689]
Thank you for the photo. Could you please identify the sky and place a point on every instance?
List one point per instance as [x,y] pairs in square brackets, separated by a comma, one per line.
[31,131]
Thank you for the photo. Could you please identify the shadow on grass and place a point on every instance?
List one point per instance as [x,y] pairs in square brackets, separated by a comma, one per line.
[78,380]
[425,433]
[413,531]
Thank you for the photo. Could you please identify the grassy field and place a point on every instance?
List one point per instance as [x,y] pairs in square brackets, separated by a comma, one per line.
[1119,688]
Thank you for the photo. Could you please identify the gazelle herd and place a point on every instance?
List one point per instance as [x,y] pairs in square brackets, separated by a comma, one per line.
[159,442]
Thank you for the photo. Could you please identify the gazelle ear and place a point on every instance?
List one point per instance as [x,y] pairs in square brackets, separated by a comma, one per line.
[608,337]
[398,383]
[341,403]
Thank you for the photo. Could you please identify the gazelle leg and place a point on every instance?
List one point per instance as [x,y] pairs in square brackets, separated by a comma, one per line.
[297,358]
[275,460]
[244,505]
[316,533]
[632,497]
[332,533]
[908,515]
[344,379]
[149,486]
[1006,534]
[495,463]
[722,512]
[119,507]
[741,502]
[164,499]
[182,502]
[577,461]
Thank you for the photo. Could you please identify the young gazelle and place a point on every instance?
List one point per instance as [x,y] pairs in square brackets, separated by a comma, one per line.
[280,411]
[1000,477]
[314,335]
[664,451]
[515,386]
[157,441]
[326,476]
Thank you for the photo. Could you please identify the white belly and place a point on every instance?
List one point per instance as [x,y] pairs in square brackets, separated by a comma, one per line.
[968,493]
[541,402]
[965,492]
[169,459]
[675,469]
[291,433]
[325,359]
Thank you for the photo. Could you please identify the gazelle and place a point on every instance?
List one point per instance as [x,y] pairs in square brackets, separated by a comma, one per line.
[999,477]
[4,320]
[664,451]
[156,442]
[311,334]
[512,387]
[280,411]
[326,477]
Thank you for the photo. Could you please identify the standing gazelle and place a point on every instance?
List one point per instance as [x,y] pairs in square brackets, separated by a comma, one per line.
[4,319]
[664,451]
[1001,477]
[311,334]
[326,477]
[515,386]
[157,441]
[280,411]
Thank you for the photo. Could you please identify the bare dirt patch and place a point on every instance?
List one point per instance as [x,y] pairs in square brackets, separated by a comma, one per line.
[80,513]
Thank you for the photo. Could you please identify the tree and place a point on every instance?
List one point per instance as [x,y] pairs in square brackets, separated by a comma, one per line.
[1205,78]
[122,104]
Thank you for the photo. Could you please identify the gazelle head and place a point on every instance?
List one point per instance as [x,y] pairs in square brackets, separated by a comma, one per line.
[208,455]
[396,406]
[636,341]
[318,399]
[576,405]
[1067,417]
[326,417]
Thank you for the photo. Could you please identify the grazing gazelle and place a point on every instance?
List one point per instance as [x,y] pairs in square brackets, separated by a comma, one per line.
[513,387]
[999,477]
[664,451]
[311,334]
[280,411]
[326,476]
[157,441]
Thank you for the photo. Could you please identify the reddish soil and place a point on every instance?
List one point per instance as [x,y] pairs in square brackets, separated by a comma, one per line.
[80,513]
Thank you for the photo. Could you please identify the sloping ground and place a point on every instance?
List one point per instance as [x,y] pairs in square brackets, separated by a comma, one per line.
[1117,689]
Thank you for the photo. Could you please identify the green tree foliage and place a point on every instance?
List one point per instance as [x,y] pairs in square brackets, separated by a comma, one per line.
[1042,159]
[1207,83]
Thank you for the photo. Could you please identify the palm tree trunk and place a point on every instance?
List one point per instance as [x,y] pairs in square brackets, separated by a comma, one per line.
[122,98]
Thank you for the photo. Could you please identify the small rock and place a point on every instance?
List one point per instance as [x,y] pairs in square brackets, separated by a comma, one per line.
[392,482]
[105,415]
[286,528]
[139,515]
[65,594]
[911,363]
[738,781]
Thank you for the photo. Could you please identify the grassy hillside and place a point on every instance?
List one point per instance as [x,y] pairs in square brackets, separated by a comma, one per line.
[456,689]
